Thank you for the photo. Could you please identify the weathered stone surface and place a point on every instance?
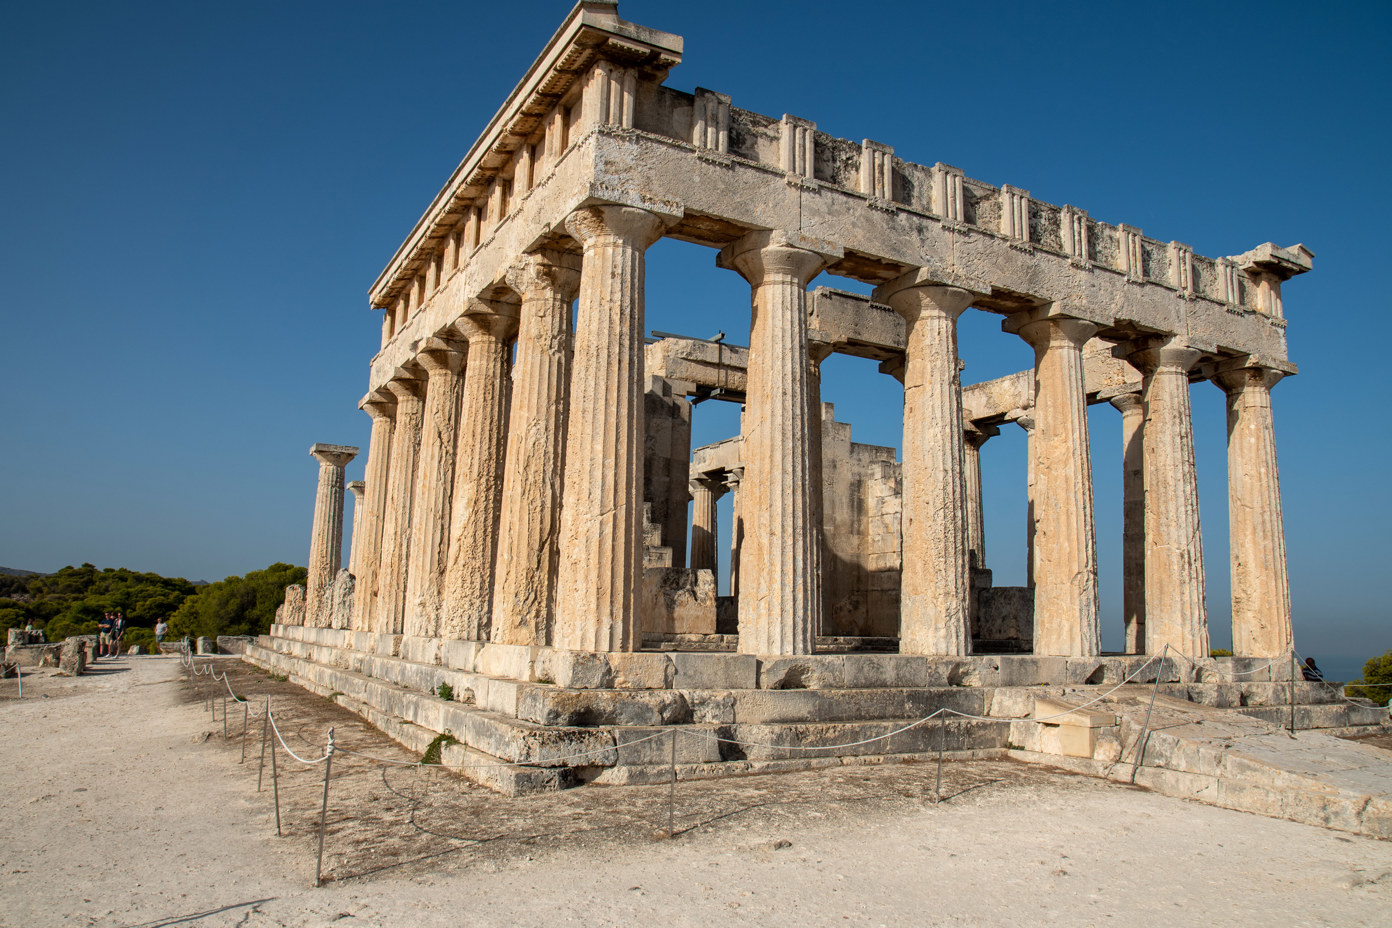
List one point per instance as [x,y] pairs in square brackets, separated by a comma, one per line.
[430,512]
[326,540]
[678,601]
[72,661]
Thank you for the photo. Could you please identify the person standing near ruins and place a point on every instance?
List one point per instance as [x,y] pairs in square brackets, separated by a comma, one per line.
[104,635]
[118,631]
[161,629]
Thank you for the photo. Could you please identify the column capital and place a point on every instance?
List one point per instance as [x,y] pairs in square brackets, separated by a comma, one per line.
[638,228]
[711,483]
[484,320]
[1163,353]
[1128,402]
[357,488]
[403,389]
[1046,327]
[1025,420]
[918,292]
[335,455]
[1236,376]
[438,356]
[733,476]
[977,435]
[759,256]
[545,273]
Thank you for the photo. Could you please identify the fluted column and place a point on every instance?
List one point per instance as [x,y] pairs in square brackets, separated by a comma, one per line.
[973,437]
[1026,424]
[525,573]
[369,533]
[326,540]
[732,484]
[817,352]
[598,586]
[934,612]
[780,589]
[1065,540]
[1133,537]
[478,477]
[1261,606]
[357,488]
[704,493]
[430,513]
[396,519]
[1174,576]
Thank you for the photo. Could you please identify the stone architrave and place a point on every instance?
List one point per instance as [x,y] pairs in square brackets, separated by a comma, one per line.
[780,592]
[704,494]
[1261,606]
[396,522]
[973,437]
[1133,537]
[369,534]
[936,588]
[430,512]
[357,488]
[601,556]
[326,541]
[478,475]
[1065,539]
[1174,578]
[525,572]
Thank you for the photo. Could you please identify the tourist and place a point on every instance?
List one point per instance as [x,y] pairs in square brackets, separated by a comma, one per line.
[104,635]
[161,629]
[118,631]
[1311,672]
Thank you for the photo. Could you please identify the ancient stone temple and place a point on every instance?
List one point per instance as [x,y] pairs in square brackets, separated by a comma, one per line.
[530,488]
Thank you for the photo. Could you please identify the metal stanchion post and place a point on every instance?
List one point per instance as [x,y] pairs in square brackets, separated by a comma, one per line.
[265,731]
[224,718]
[942,740]
[1145,726]
[672,784]
[275,780]
[324,809]
[246,714]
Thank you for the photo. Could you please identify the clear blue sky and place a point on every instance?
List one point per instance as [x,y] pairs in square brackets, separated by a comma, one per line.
[197,196]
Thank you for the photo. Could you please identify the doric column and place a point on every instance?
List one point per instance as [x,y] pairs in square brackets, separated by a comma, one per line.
[1065,540]
[1133,537]
[1174,574]
[478,477]
[525,573]
[780,590]
[598,586]
[1026,423]
[1261,607]
[369,533]
[704,493]
[817,352]
[973,437]
[326,540]
[430,513]
[934,611]
[396,519]
[732,484]
[357,488]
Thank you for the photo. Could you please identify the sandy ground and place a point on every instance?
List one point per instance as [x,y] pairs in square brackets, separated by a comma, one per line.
[123,805]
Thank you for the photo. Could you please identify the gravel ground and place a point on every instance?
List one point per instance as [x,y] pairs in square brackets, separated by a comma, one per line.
[126,806]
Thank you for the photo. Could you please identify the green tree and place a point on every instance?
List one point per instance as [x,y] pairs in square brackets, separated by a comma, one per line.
[237,605]
[1377,670]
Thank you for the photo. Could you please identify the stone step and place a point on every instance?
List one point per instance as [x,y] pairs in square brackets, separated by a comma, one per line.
[1335,715]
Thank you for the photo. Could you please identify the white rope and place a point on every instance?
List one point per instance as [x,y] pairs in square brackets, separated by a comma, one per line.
[271,719]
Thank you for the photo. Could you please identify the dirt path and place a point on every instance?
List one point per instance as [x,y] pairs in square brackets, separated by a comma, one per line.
[124,806]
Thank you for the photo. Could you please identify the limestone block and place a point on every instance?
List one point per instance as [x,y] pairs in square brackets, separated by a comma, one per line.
[711,707]
[1027,670]
[640,671]
[421,650]
[292,611]
[513,661]
[693,745]
[714,671]
[984,671]
[520,743]
[579,669]
[72,661]
[458,655]
[206,646]
[883,670]
[679,601]
[809,671]
[547,705]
